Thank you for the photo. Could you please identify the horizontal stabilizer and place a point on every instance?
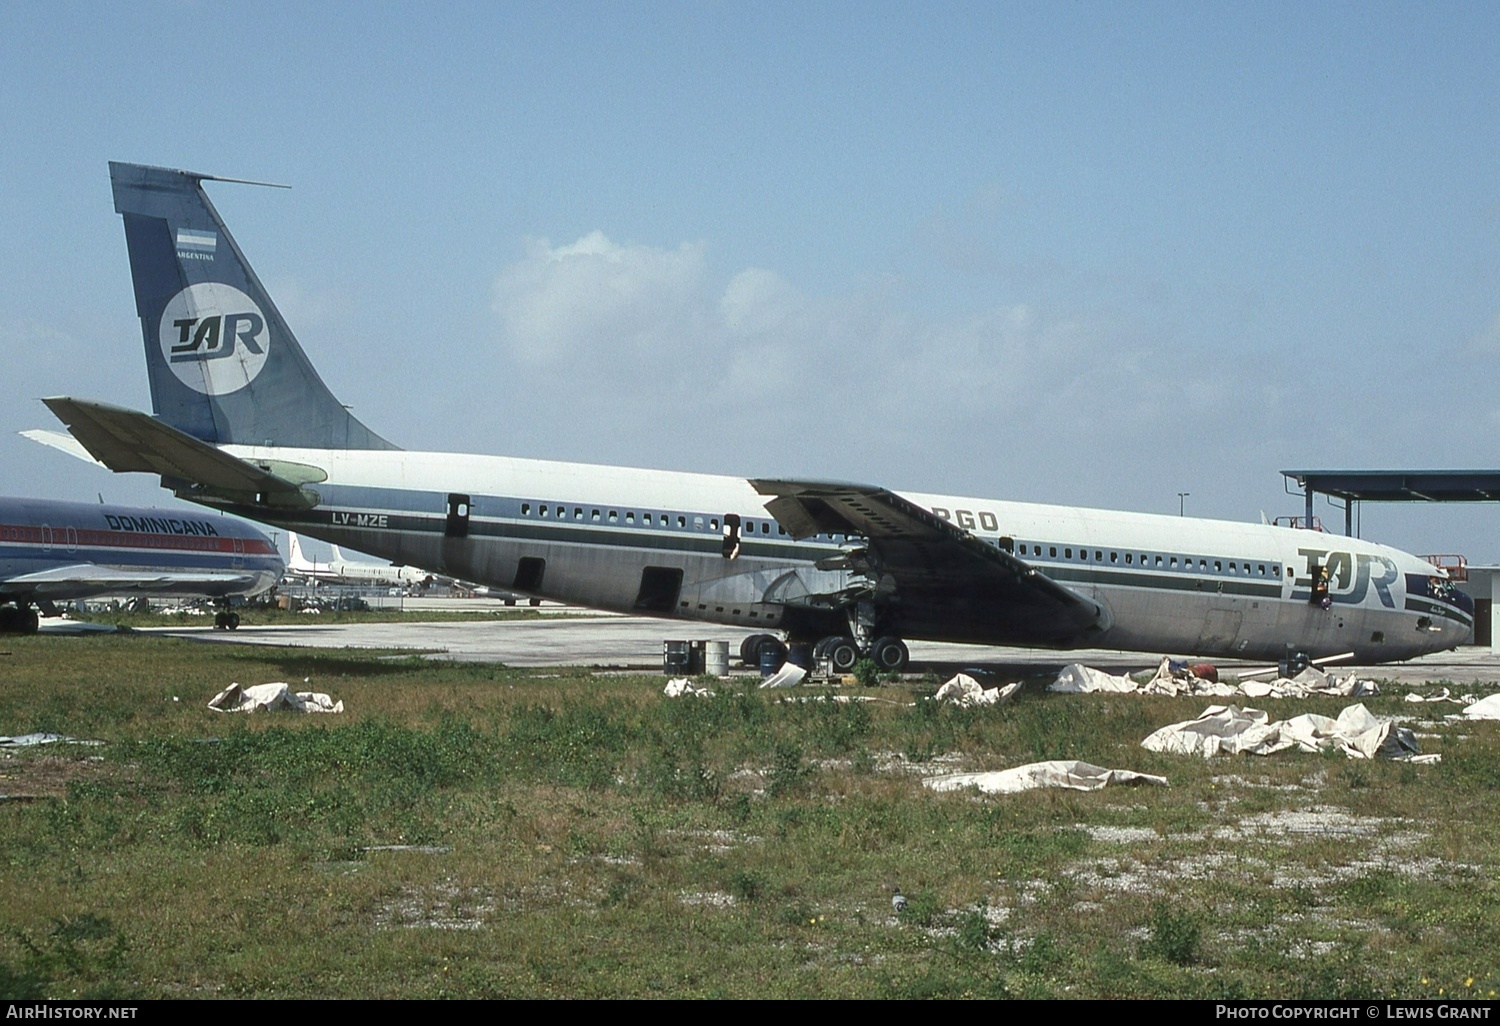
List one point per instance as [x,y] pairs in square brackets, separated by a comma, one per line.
[128,441]
[63,442]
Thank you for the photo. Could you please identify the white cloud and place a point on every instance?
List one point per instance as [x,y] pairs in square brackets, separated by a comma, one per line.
[597,301]
[748,371]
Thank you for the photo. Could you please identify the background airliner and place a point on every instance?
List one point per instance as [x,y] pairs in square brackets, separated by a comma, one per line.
[244,423]
[341,570]
[60,551]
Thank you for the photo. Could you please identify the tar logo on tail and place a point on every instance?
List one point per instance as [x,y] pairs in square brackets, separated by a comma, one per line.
[214,338]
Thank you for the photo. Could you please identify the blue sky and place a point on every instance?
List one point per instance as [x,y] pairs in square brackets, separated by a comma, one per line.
[1084,253]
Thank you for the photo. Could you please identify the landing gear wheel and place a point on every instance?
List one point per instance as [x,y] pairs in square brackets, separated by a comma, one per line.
[10,619]
[841,653]
[221,621]
[232,621]
[890,654]
[750,648]
[29,621]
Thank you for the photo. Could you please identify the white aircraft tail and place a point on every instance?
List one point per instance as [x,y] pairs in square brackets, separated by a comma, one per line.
[298,561]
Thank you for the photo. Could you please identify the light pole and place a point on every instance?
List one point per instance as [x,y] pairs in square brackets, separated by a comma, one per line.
[1182,502]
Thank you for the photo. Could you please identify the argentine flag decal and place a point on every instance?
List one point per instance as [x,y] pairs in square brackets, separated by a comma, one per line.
[195,244]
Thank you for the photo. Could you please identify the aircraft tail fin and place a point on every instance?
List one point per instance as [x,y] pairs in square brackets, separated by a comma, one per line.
[297,561]
[223,365]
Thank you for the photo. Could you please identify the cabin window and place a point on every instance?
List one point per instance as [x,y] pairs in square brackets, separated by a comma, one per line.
[698,523]
[780,530]
[525,509]
[541,511]
[1202,564]
[765,528]
[1127,559]
[614,516]
[682,521]
[1114,557]
[595,516]
[713,523]
[630,516]
[1218,567]
[1173,561]
[1275,570]
[1052,550]
[1262,569]
[1068,553]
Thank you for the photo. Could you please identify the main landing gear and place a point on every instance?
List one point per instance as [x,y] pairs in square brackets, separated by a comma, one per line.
[889,653]
[226,620]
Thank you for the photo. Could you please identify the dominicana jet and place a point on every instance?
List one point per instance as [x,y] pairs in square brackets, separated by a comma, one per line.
[60,551]
[243,423]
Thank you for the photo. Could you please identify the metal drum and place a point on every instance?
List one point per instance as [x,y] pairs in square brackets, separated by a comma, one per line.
[716,658]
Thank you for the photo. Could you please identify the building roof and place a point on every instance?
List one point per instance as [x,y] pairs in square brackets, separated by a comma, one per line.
[1402,485]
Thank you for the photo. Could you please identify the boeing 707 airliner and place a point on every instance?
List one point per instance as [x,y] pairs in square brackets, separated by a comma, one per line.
[244,423]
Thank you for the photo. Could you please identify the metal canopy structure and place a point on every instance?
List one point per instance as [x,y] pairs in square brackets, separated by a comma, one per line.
[1395,486]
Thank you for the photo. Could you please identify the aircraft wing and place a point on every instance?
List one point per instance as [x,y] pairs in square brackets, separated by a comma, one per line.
[127,440]
[86,580]
[936,569]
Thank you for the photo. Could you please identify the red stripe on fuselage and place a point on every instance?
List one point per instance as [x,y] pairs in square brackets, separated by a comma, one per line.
[31,534]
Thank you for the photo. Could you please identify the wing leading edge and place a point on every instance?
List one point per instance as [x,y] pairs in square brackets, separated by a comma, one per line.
[937,576]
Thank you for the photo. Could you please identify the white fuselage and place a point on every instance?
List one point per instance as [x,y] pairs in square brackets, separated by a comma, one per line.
[594,535]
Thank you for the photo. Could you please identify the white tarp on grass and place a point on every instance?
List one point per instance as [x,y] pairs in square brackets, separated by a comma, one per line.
[1177,679]
[269,697]
[680,686]
[963,690]
[1226,730]
[1068,773]
[1484,709]
[789,676]
[30,740]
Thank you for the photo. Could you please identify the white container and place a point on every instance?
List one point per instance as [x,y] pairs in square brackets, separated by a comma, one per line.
[716,658]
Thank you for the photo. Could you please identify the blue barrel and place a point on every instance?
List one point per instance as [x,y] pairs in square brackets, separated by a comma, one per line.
[771,658]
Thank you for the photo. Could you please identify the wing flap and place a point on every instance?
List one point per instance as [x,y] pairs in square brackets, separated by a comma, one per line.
[128,441]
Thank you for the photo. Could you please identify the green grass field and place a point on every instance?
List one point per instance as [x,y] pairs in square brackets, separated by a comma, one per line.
[477,831]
